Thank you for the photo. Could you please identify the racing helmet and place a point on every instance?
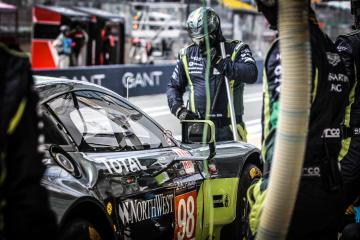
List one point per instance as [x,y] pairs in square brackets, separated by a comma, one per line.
[355,10]
[270,10]
[64,28]
[195,25]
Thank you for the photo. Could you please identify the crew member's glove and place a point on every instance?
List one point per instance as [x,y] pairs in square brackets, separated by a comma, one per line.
[184,114]
[214,56]
[222,64]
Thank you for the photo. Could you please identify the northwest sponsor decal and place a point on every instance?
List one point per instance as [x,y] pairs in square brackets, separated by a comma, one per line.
[122,165]
[142,79]
[188,165]
[185,216]
[137,210]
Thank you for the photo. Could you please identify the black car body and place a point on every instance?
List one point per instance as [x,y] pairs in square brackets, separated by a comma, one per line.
[114,170]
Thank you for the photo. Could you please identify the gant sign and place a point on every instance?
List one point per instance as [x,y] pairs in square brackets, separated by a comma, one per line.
[141,79]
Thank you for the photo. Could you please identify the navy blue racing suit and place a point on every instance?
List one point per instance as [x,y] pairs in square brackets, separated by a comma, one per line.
[349,48]
[239,67]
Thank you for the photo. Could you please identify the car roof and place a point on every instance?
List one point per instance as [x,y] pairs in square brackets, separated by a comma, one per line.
[50,87]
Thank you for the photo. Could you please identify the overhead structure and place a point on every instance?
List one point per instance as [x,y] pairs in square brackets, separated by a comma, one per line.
[8,22]
[239,5]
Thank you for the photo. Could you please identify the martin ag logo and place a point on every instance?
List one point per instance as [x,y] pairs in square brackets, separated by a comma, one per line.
[331,133]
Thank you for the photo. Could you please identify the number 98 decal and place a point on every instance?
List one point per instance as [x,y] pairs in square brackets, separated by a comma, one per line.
[185,216]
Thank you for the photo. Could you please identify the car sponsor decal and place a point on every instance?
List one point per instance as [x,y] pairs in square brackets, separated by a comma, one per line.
[150,206]
[188,165]
[221,201]
[185,216]
[122,165]
[109,208]
[162,177]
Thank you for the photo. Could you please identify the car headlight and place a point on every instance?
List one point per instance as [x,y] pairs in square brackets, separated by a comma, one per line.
[65,161]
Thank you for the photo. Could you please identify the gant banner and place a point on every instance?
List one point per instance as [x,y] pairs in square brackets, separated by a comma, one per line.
[138,79]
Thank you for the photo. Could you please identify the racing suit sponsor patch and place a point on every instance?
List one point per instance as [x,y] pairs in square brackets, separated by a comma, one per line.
[337,81]
[331,133]
[333,58]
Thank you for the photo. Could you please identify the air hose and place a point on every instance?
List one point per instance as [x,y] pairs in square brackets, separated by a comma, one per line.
[207,184]
[292,128]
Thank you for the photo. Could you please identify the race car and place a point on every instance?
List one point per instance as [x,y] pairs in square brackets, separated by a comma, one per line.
[112,172]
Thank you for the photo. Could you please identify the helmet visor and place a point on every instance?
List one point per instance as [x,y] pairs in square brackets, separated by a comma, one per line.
[200,41]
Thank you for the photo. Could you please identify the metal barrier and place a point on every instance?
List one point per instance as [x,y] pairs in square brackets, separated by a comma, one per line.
[126,80]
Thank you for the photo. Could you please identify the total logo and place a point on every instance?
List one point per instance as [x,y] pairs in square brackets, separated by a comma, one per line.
[122,165]
[331,133]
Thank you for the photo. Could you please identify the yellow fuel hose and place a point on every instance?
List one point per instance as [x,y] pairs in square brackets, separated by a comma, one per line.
[293,120]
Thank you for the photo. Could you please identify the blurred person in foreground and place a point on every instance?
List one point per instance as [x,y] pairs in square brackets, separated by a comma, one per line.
[24,206]
[239,67]
[318,206]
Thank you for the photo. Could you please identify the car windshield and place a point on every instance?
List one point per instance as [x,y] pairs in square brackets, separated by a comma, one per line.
[100,122]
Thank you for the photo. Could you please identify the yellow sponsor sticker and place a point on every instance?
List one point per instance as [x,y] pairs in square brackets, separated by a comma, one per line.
[109,208]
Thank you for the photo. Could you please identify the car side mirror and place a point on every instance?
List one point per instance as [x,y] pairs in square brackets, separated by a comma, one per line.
[199,132]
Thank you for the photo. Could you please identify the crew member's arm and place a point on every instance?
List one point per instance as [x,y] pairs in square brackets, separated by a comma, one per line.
[346,52]
[240,66]
[272,82]
[176,88]
[28,213]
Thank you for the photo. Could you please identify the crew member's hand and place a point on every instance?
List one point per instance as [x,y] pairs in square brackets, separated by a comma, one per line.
[214,56]
[222,64]
[185,114]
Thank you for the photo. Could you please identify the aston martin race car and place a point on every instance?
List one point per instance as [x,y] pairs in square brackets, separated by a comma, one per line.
[112,172]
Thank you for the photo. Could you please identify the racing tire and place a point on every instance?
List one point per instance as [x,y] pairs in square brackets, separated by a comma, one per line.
[237,229]
[80,229]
